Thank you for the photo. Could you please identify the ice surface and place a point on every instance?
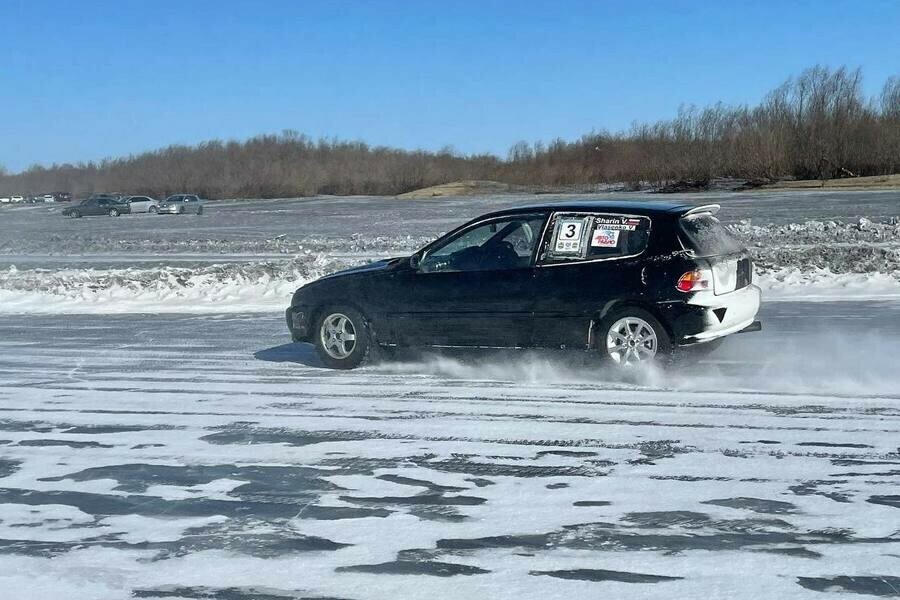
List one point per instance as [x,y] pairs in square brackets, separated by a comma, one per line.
[225,463]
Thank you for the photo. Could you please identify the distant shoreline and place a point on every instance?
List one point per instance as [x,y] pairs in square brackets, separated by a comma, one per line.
[485,187]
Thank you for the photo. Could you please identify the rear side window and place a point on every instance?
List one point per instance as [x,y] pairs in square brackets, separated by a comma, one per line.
[706,236]
[595,236]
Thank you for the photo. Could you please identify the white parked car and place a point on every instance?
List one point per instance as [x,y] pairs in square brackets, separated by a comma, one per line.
[142,204]
[180,204]
[49,198]
[4,200]
[18,199]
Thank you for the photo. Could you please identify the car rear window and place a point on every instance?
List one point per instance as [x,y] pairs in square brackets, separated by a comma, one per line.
[705,235]
[595,236]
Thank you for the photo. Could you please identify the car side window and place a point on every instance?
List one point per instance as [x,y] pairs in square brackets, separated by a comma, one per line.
[579,237]
[499,244]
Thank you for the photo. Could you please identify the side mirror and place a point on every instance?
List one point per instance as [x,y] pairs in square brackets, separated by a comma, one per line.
[414,261]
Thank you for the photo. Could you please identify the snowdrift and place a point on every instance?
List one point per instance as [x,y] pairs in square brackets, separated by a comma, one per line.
[816,260]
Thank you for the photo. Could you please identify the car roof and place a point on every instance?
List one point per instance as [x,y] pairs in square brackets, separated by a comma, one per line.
[634,207]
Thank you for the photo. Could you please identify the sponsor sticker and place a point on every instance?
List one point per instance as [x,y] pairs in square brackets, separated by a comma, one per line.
[605,238]
[568,238]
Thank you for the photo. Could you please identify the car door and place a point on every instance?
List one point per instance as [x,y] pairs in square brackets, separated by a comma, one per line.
[474,288]
[94,207]
[586,262]
[138,204]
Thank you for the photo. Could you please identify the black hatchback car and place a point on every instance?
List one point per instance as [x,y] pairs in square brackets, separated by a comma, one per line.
[633,281]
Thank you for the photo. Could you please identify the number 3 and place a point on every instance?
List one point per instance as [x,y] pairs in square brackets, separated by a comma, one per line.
[571,231]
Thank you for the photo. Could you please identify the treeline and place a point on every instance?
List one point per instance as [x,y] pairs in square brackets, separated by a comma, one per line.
[817,125]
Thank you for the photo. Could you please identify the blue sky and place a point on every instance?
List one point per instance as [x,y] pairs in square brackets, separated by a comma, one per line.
[92,79]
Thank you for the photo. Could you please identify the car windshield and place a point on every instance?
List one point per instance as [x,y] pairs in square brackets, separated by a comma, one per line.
[706,236]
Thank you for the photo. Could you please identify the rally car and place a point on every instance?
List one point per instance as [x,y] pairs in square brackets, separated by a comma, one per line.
[632,281]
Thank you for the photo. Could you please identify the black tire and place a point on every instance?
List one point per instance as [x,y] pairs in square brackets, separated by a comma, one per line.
[113,212]
[153,209]
[199,210]
[358,326]
[662,348]
[75,214]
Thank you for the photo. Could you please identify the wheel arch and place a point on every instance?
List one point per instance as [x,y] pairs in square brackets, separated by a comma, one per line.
[613,306]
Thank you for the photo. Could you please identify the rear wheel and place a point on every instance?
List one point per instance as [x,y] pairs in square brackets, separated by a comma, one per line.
[113,212]
[75,214]
[153,209]
[342,337]
[631,337]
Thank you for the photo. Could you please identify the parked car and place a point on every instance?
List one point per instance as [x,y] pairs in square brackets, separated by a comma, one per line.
[104,196]
[96,206]
[180,204]
[632,281]
[5,200]
[58,197]
[141,204]
[17,199]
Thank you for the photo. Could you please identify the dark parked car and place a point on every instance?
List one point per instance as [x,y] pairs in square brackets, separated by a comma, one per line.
[633,281]
[179,204]
[96,205]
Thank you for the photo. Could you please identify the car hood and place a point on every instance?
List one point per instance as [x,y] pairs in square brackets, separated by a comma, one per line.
[370,268]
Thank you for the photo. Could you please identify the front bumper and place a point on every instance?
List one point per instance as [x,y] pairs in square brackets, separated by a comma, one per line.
[297,318]
[706,317]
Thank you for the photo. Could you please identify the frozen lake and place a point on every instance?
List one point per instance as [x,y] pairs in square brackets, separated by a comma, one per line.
[161,438]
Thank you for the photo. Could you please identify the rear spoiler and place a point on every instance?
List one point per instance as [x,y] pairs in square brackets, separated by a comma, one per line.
[705,209]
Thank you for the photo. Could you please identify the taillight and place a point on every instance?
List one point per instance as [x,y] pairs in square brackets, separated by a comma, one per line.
[693,281]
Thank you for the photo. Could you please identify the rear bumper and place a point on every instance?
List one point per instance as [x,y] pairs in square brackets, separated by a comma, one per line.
[706,317]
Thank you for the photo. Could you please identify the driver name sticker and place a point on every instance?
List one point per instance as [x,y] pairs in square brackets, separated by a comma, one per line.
[568,238]
[605,238]
[618,223]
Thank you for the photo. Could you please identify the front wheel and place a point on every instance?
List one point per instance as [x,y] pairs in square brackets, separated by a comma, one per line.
[199,210]
[631,337]
[342,337]
[153,209]
[113,212]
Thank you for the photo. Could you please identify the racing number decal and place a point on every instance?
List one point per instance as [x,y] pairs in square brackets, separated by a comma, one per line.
[568,236]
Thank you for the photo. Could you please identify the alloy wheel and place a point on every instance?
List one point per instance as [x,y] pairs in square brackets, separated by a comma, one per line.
[338,336]
[631,341]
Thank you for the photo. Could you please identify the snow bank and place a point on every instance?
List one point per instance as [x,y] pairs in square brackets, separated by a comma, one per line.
[229,287]
[815,260]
